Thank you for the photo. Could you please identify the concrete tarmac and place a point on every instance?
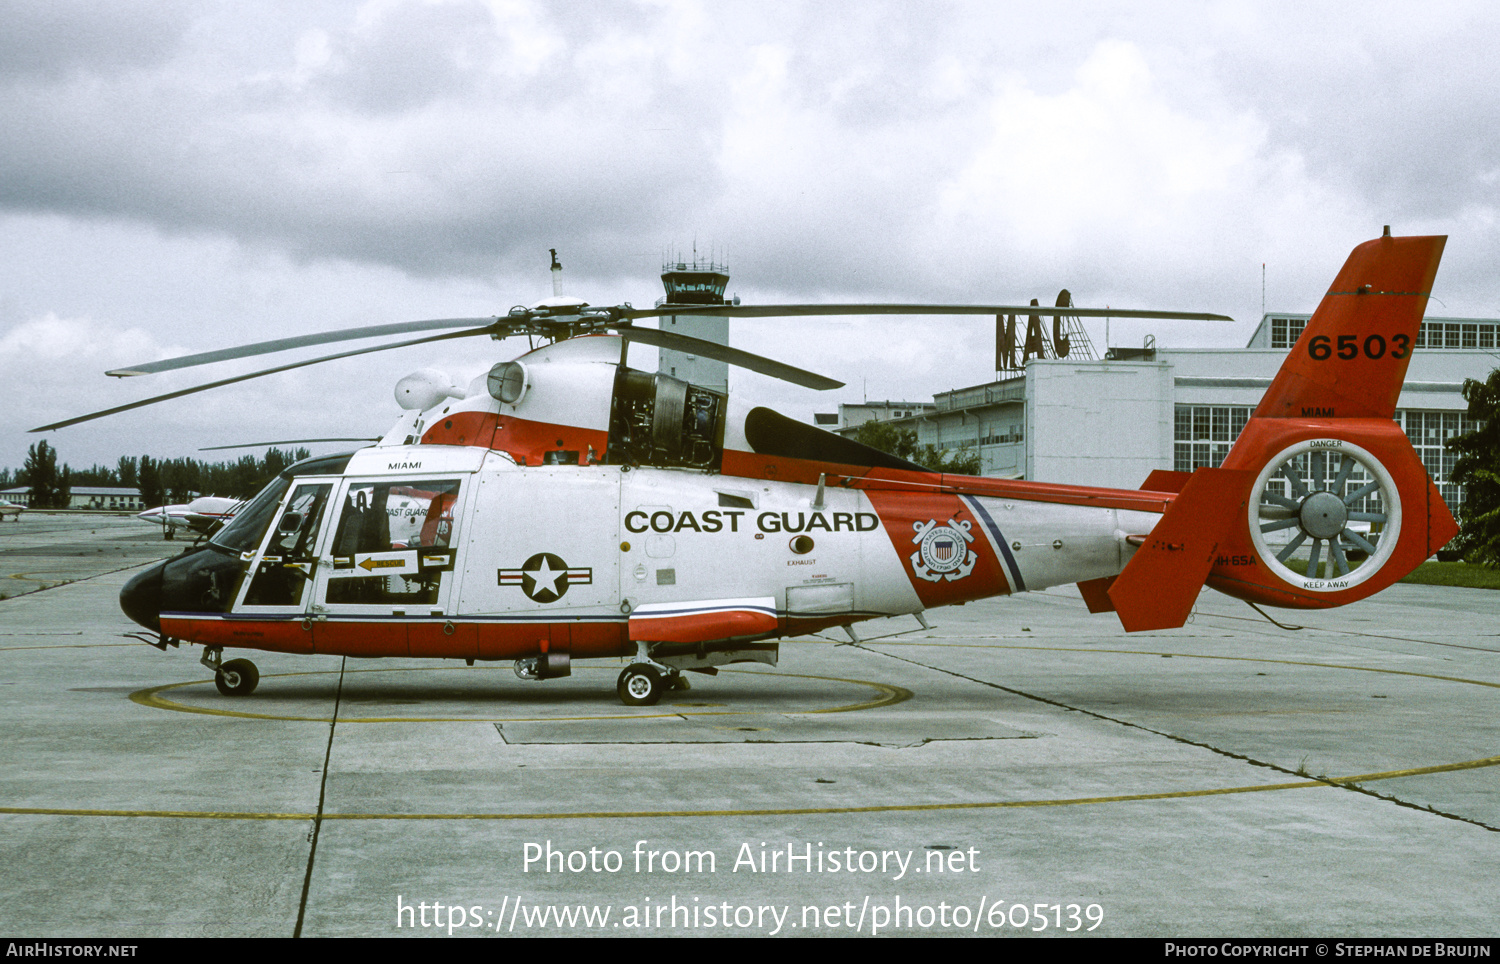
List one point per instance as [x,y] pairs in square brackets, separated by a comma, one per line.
[1021,768]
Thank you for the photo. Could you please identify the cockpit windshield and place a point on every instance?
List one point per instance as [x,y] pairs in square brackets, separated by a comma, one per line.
[244,531]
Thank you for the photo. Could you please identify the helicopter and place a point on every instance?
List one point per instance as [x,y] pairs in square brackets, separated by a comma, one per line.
[566,506]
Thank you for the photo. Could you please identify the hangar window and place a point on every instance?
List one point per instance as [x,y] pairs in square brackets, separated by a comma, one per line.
[1203,434]
[1428,432]
[1286,331]
[1465,336]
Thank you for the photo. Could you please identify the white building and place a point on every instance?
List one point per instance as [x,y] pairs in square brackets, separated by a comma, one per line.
[85,497]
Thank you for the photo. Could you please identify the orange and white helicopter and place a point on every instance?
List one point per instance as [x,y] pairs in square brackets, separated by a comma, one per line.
[569,507]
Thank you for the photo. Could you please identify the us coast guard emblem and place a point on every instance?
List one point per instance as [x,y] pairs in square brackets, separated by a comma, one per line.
[942,551]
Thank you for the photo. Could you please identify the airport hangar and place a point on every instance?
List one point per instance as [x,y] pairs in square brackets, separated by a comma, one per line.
[1109,422]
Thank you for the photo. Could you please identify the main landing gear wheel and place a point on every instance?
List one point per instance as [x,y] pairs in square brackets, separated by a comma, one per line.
[640,685]
[1332,486]
[238,677]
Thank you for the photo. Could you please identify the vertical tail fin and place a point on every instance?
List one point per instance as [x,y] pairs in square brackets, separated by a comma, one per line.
[1322,501]
[1353,354]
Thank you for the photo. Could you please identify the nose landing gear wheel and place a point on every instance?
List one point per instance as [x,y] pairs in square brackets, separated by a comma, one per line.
[238,677]
[640,685]
[1332,487]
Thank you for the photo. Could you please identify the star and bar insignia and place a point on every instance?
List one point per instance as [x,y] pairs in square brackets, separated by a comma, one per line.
[545,578]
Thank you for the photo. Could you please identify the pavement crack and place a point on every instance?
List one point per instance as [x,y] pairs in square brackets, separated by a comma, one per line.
[1230,754]
[312,851]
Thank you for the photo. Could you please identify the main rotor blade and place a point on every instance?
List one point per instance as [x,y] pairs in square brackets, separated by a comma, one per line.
[244,378]
[285,441]
[723,353]
[299,341]
[791,311]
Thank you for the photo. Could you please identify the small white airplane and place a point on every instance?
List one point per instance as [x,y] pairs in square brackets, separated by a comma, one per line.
[12,510]
[201,515]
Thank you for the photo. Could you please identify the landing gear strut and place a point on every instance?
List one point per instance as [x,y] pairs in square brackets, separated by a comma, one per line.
[238,677]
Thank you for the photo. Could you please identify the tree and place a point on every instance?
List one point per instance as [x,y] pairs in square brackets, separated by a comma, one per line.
[1478,471]
[150,485]
[180,478]
[963,461]
[889,438]
[901,442]
[40,472]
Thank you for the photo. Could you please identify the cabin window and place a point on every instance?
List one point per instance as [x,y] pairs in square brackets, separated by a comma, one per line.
[393,542]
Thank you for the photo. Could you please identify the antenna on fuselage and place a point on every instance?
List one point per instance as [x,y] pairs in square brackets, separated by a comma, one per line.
[556,274]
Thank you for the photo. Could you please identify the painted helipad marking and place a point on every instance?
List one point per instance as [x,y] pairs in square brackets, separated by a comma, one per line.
[886,695]
[769,812]
[1237,659]
[1324,781]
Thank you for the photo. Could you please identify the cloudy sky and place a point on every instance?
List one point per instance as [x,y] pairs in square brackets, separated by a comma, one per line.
[178,177]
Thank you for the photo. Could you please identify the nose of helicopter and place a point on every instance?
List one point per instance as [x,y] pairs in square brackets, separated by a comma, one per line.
[141,597]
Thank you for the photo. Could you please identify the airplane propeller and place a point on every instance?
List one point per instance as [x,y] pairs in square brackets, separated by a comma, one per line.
[563,317]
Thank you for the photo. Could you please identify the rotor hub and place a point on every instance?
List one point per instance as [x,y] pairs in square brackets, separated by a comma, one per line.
[1323,515]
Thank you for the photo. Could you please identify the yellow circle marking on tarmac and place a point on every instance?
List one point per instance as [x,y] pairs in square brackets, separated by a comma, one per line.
[886,695]
[1237,659]
[768,812]
[16,649]
[812,811]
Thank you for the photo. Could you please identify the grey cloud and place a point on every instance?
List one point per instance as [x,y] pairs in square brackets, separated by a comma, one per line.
[411,57]
[422,144]
[60,37]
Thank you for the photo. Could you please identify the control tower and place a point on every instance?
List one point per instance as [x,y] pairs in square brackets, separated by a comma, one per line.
[690,283]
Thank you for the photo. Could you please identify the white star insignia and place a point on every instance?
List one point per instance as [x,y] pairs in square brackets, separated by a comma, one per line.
[545,577]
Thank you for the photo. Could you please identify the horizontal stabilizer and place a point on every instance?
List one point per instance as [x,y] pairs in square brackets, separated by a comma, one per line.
[1096,594]
[1160,584]
[1164,480]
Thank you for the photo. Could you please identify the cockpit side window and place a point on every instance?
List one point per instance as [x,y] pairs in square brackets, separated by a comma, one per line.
[289,559]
